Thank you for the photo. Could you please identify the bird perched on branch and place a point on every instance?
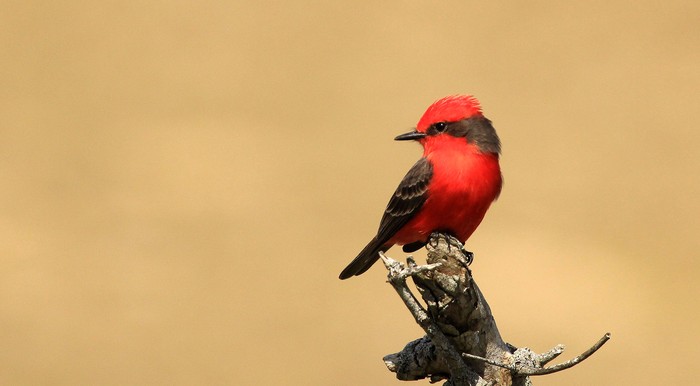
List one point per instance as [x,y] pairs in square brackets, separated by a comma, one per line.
[449,189]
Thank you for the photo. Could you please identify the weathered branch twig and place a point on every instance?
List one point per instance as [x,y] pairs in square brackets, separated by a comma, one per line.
[551,354]
[398,273]
[542,359]
[574,361]
[463,343]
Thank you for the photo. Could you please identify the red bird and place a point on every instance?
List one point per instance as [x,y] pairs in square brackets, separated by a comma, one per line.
[449,189]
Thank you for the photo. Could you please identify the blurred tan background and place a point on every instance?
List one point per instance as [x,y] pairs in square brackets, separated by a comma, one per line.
[183,182]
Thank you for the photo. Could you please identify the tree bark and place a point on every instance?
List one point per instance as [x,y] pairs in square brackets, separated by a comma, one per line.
[462,344]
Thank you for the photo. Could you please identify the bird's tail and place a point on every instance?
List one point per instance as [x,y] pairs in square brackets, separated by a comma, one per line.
[368,256]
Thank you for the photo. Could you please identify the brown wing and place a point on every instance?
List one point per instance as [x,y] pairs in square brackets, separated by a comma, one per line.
[403,205]
[407,199]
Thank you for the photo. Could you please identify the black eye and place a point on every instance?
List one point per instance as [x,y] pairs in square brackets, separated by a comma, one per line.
[440,127]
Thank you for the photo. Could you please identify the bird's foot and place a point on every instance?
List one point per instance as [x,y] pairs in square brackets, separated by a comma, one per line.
[452,242]
[469,256]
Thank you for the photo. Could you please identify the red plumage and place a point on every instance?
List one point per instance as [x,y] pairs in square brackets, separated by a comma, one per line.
[449,189]
[464,183]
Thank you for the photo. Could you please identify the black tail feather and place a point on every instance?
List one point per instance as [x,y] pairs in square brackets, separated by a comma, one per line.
[364,260]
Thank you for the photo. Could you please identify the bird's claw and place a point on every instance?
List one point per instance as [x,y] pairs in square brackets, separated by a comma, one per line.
[452,242]
[469,256]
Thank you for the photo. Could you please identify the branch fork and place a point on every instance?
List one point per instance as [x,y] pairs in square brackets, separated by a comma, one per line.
[399,272]
[462,342]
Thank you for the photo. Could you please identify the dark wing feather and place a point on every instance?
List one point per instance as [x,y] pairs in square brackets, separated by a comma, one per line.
[407,200]
[403,205]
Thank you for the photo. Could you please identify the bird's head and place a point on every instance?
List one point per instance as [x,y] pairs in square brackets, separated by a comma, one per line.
[457,120]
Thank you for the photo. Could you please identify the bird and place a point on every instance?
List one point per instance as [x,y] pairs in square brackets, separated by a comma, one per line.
[449,189]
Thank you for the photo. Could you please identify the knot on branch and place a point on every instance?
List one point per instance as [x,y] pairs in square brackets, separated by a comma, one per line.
[462,342]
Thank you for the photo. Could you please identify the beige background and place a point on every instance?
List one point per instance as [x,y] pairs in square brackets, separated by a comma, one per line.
[183,182]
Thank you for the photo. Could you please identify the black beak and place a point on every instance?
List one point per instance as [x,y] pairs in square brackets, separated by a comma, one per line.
[413,135]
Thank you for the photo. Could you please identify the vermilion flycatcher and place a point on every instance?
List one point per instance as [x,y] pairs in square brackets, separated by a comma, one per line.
[449,189]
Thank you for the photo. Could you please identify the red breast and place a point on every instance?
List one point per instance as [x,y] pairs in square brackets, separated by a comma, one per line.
[464,184]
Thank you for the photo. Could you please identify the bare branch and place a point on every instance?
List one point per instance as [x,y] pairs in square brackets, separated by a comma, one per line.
[548,356]
[398,271]
[544,358]
[489,361]
[574,361]
[461,374]
[462,342]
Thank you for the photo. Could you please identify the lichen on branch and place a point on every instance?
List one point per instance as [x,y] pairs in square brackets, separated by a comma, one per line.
[462,344]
